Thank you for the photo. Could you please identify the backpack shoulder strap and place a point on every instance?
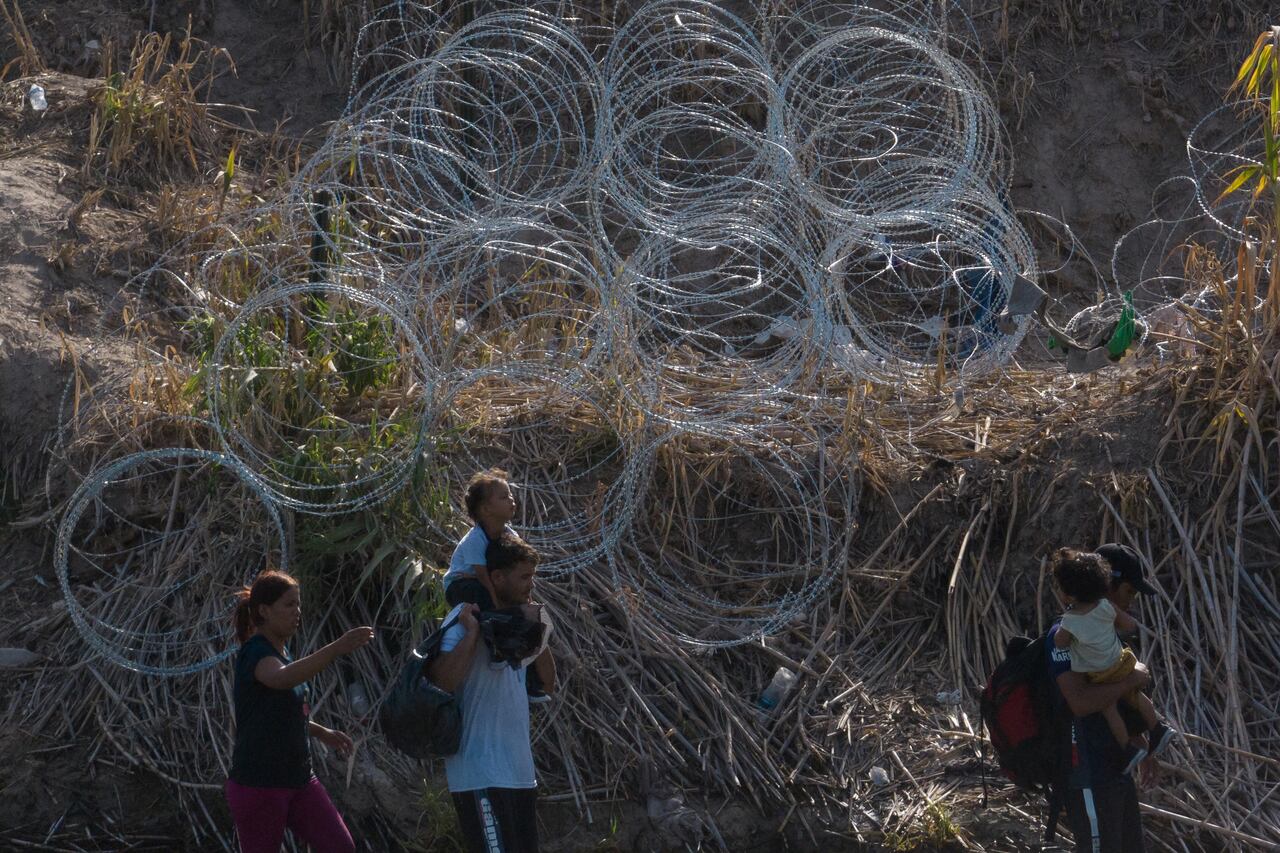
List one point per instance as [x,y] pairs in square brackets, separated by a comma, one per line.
[435,638]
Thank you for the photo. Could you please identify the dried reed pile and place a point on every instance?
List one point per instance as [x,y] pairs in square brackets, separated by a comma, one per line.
[945,569]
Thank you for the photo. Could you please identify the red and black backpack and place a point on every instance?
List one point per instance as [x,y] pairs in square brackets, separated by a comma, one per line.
[1026,726]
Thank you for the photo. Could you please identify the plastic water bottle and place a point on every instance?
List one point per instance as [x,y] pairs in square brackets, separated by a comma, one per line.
[357,699]
[35,98]
[783,680]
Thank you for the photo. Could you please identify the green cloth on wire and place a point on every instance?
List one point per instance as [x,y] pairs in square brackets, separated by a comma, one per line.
[1122,337]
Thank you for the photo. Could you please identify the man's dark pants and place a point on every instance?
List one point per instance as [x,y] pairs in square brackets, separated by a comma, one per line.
[1106,820]
[498,820]
[469,590]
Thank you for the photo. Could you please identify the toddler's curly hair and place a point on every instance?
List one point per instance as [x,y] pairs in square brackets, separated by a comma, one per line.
[1083,575]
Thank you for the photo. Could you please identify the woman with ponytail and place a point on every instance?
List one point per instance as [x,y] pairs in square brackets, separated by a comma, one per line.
[271,786]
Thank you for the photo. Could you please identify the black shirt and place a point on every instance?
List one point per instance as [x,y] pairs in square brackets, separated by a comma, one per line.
[272,749]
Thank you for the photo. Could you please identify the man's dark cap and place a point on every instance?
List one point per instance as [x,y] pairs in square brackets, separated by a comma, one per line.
[1126,565]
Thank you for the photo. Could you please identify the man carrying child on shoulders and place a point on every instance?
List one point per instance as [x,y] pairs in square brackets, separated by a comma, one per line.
[491,505]
[484,655]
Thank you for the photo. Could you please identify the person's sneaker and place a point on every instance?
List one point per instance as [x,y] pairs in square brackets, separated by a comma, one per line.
[1133,756]
[538,698]
[1160,737]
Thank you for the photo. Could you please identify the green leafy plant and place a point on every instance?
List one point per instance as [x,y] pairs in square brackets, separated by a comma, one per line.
[227,174]
[1257,85]
[937,825]
[612,842]
[441,833]
[362,348]
[935,830]
[380,550]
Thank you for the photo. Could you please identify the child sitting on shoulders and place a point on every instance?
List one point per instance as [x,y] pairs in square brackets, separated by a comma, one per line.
[491,505]
[1089,630]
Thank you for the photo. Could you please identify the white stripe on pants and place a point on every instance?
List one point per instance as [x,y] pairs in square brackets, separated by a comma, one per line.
[489,823]
[1087,793]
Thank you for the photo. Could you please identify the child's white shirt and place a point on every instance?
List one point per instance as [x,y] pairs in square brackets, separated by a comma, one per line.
[1095,646]
[469,552]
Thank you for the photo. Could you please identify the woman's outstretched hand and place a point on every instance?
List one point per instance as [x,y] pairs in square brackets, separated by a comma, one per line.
[354,639]
[272,673]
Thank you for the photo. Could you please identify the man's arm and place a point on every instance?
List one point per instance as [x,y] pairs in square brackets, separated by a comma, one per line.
[450,669]
[1126,625]
[1084,698]
[545,665]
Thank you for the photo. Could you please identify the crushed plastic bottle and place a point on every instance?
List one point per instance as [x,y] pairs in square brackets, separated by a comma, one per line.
[357,699]
[35,98]
[783,680]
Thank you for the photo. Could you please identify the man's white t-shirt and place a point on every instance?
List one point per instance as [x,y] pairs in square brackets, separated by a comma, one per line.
[469,552]
[495,751]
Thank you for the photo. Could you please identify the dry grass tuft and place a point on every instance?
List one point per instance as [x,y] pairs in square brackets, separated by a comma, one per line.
[150,121]
[335,26]
[28,59]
